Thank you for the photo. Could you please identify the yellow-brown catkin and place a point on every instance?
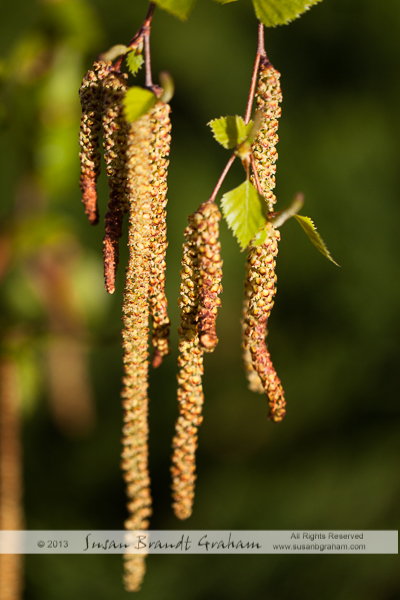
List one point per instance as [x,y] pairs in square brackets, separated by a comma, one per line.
[91,96]
[206,222]
[268,97]
[160,145]
[135,341]
[254,381]
[261,280]
[11,477]
[115,134]
[190,391]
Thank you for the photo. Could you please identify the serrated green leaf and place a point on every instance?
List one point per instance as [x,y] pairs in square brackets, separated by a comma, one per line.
[179,8]
[134,61]
[137,102]
[242,210]
[230,131]
[281,12]
[314,236]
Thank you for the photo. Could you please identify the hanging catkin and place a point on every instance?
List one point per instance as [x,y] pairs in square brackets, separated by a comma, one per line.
[200,285]
[159,152]
[91,96]
[115,135]
[135,341]
[11,476]
[268,97]
[190,391]
[254,381]
[261,281]
[207,220]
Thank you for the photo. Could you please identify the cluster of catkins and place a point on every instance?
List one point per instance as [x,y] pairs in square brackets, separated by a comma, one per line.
[260,283]
[136,157]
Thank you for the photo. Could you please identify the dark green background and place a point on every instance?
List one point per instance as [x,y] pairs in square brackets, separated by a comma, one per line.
[333,463]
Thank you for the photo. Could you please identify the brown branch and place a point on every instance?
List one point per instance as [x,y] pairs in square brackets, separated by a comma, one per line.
[260,53]
[143,35]
[221,179]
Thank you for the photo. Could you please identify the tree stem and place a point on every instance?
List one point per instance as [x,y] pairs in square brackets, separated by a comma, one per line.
[221,179]
[260,53]
[143,34]
[146,30]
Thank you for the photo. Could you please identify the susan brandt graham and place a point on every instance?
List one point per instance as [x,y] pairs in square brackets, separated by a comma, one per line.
[142,542]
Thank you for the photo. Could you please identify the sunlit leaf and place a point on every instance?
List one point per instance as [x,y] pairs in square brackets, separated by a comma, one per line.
[114,52]
[242,210]
[260,237]
[134,61]
[137,102]
[281,217]
[314,236]
[280,12]
[179,8]
[230,131]
[168,86]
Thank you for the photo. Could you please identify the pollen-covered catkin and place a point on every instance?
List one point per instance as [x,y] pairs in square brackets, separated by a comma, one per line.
[268,97]
[190,391]
[254,381]
[135,341]
[262,281]
[159,152]
[115,137]
[91,96]
[206,221]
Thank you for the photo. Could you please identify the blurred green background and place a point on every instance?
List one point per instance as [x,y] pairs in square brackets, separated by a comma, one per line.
[333,463]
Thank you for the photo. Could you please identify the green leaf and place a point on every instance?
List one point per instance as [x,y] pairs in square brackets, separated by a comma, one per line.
[230,131]
[179,8]
[260,237]
[314,236]
[134,61]
[114,52]
[137,102]
[281,217]
[280,12]
[242,210]
[168,86]
[224,1]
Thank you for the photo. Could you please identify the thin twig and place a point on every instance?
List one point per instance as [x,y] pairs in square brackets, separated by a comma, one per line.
[221,179]
[147,57]
[260,53]
[146,25]
[142,35]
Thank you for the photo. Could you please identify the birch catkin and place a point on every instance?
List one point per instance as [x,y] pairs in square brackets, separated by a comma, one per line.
[135,341]
[115,135]
[190,392]
[254,381]
[261,280]
[268,97]
[91,96]
[159,152]
[207,220]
